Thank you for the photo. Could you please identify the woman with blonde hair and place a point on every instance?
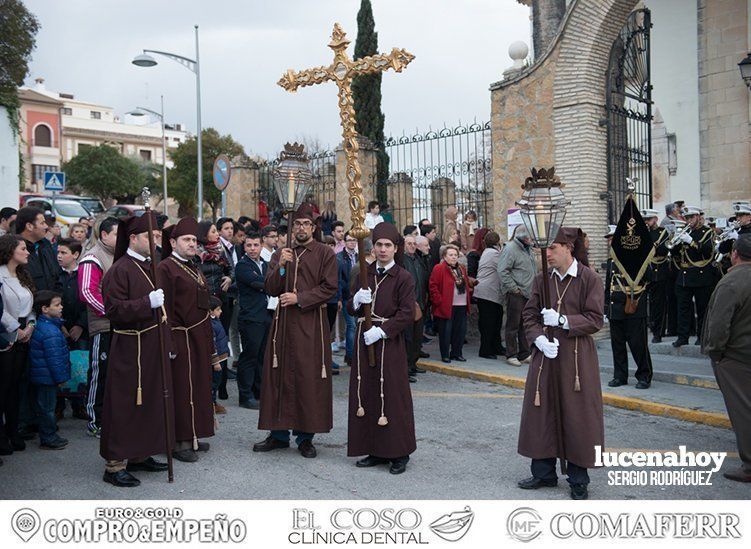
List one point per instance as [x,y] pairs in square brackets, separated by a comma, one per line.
[77,231]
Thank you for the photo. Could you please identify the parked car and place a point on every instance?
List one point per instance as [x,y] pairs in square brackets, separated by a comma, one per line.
[91,203]
[66,211]
[125,210]
[23,197]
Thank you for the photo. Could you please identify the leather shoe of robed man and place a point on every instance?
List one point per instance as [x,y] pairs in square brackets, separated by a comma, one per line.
[270,444]
[643,385]
[371,461]
[680,342]
[306,449]
[412,379]
[419,370]
[656,339]
[533,483]
[458,358]
[188,455]
[738,475]
[121,479]
[579,491]
[203,446]
[398,466]
[149,464]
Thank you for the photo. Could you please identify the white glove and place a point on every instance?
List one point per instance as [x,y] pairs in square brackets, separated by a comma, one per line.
[732,235]
[686,238]
[548,348]
[156,298]
[362,297]
[549,317]
[373,335]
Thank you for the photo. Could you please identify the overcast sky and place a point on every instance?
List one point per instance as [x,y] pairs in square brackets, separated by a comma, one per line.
[85,47]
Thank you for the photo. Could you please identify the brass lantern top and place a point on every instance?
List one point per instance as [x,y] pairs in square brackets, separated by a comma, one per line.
[543,206]
[292,177]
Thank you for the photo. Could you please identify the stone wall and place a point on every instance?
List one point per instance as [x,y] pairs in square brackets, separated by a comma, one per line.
[725,146]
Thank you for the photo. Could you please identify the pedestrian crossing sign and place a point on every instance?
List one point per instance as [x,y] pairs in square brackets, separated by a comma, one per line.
[54,181]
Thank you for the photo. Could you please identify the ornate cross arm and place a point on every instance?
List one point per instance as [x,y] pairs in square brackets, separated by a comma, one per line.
[397,60]
[299,79]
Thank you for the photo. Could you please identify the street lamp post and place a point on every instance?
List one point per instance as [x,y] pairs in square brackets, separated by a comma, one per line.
[139,112]
[193,65]
[745,68]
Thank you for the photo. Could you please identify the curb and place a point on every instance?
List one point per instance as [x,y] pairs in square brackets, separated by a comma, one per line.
[703,382]
[712,419]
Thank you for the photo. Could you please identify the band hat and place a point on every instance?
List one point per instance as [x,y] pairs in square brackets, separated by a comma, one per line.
[741,208]
[691,210]
[611,231]
[648,212]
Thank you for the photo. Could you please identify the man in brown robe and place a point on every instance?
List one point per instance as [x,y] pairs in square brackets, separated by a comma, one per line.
[381,421]
[563,381]
[186,299]
[296,387]
[133,417]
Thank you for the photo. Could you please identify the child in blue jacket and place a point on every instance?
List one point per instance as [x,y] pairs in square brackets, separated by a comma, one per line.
[50,365]
[221,350]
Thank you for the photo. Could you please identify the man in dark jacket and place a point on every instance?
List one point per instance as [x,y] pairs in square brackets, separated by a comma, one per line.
[43,266]
[415,267]
[347,258]
[253,321]
[727,341]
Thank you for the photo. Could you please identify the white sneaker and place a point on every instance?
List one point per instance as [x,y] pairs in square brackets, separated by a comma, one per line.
[527,360]
[513,361]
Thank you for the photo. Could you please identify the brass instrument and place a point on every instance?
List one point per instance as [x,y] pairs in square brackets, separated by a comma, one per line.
[732,226]
[679,227]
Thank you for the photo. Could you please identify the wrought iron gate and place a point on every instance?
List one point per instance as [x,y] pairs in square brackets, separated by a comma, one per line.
[629,114]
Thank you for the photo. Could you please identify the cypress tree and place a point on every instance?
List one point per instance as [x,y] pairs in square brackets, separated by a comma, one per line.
[366,92]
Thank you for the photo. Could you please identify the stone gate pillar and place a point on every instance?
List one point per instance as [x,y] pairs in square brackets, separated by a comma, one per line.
[242,191]
[442,195]
[401,200]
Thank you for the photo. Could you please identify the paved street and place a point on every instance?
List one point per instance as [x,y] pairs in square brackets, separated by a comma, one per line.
[466,436]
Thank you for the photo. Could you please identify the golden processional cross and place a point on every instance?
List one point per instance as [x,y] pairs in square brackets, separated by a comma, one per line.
[341,72]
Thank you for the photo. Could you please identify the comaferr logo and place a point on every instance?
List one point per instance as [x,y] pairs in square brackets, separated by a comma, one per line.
[454,526]
[645,525]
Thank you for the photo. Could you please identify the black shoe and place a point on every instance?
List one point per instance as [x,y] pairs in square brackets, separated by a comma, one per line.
[423,354]
[223,393]
[203,446]
[398,466]
[643,385]
[656,339]
[681,341]
[149,464]
[18,444]
[188,455]
[490,357]
[371,461]
[617,383]
[270,444]
[121,479]
[446,360]
[6,448]
[419,370]
[459,358]
[579,491]
[57,444]
[306,449]
[533,483]
[431,333]
[29,432]
[412,379]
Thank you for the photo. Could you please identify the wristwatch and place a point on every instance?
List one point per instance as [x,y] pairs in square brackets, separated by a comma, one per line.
[561,321]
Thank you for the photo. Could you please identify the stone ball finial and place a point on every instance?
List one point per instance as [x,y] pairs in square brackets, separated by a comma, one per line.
[518,52]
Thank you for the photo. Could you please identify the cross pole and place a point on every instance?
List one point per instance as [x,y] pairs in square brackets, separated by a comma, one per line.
[341,72]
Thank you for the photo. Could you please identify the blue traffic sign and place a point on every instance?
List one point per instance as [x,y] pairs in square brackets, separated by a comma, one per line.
[54,181]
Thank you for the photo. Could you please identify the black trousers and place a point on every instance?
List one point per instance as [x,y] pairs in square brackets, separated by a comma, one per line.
[516,339]
[413,341]
[451,332]
[686,296]
[544,469]
[12,366]
[631,332]
[253,336]
[671,323]
[228,305]
[734,379]
[490,320]
[97,377]
[658,301]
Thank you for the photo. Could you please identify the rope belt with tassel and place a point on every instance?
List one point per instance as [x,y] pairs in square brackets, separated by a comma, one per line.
[187,329]
[383,420]
[137,333]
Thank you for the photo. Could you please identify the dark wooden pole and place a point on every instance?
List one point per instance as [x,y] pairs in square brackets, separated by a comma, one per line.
[283,316]
[366,309]
[162,349]
[554,372]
